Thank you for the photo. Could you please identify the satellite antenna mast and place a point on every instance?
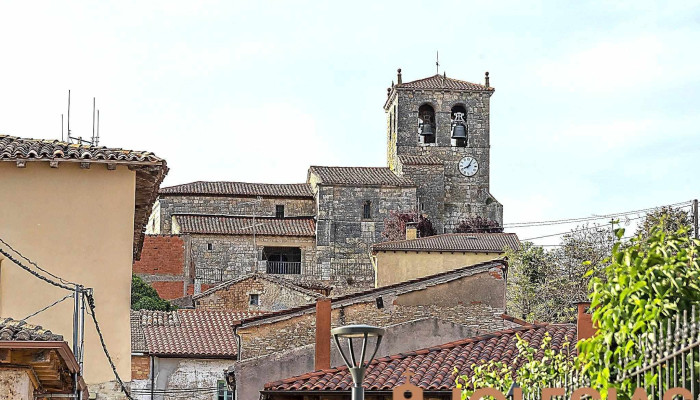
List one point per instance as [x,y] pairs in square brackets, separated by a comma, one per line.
[97,138]
[92,140]
[61,127]
[68,140]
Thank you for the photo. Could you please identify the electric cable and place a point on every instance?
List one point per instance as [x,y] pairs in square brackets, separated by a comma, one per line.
[36,265]
[47,307]
[36,274]
[574,230]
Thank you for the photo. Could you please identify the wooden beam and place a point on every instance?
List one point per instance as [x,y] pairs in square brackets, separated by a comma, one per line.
[53,164]
[5,356]
[21,163]
[85,165]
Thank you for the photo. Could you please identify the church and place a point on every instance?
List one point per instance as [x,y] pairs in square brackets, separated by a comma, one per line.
[438,164]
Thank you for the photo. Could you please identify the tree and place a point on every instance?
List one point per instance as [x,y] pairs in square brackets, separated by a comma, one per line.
[395,225]
[144,297]
[478,225]
[544,285]
[650,281]
[668,219]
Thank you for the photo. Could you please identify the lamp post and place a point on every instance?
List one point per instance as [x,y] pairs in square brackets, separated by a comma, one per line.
[357,367]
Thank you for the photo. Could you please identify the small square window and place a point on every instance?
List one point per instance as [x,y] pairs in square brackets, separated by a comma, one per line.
[279,211]
[254,299]
[210,246]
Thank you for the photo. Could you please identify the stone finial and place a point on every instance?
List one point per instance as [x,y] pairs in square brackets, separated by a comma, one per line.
[388,92]
[398,75]
[487,79]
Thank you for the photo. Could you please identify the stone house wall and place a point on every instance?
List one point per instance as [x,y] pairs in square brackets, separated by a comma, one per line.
[166,206]
[173,374]
[476,302]
[236,297]
[235,254]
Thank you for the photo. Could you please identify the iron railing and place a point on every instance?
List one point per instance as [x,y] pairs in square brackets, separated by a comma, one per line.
[209,275]
[282,267]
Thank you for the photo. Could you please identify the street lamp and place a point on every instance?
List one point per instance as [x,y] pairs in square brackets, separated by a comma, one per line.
[357,367]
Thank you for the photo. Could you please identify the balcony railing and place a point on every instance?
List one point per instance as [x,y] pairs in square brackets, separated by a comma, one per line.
[282,267]
[209,275]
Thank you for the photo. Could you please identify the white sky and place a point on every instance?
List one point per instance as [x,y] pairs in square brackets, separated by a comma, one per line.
[595,110]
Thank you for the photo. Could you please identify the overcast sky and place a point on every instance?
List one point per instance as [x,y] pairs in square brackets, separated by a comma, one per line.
[595,109]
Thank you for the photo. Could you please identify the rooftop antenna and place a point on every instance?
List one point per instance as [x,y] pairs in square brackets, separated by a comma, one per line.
[97,138]
[61,127]
[92,140]
[68,139]
[79,140]
[437,62]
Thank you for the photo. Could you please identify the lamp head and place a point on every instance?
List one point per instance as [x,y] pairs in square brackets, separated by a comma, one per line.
[363,332]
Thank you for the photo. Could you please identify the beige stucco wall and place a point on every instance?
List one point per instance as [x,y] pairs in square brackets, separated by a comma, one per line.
[78,224]
[400,266]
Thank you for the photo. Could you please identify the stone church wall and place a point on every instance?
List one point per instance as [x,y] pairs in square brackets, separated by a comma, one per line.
[342,234]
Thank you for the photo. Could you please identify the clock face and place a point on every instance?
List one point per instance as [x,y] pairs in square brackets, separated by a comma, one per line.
[468,166]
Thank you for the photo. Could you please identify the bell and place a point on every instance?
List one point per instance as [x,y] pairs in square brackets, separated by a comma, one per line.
[459,131]
[426,129]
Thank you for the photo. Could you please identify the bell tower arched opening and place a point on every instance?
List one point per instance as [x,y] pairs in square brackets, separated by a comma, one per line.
[426,123]
[458,116]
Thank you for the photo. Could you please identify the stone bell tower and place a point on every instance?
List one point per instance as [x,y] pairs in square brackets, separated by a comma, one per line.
[438,136]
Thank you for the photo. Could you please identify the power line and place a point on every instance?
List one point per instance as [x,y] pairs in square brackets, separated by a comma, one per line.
[36,265]
[36,274]
[601,227]
[91,312]
[592,218]
[47,307]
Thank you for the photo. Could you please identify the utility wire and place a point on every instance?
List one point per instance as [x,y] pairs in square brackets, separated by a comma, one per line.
[36,265]
[36,274]
[47,307]
[601,227]
[91,311]
[591,218]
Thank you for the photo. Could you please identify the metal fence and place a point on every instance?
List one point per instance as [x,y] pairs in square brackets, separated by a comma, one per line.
[209,275]
[282,267]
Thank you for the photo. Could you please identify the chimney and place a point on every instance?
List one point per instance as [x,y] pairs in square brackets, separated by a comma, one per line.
[584,321]
[322,359]
[411,230]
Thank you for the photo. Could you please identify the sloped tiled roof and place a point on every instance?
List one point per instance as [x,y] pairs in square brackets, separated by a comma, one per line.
[395,289]
[273,279]
[231,225]
[473,242]
[359,176]
[11,329]
[432,367]
[150,169]
[185,333]
[420,160]
[442,82]
[15,148]
[240,189]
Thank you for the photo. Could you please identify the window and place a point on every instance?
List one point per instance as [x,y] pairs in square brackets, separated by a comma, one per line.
[367,210]
[279,211]
[426,123]
[210,246]
[254,299]
[222,391]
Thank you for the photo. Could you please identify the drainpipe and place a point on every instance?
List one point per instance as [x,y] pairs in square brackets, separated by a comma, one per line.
[153,377]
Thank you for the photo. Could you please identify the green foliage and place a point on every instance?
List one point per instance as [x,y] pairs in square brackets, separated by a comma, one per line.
[669,219]
[534,373]
[543,285]
[650,280]
[144,297]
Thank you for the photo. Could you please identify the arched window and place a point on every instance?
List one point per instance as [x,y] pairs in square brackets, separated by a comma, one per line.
[458,116]
[426,123]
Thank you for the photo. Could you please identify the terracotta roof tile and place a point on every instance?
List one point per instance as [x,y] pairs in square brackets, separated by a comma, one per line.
[240,189]
[441,82]
[359,176]
[186,333]
[11,329]
[150,169]
[231,225]
[15,148]
[475,242]
[433,367]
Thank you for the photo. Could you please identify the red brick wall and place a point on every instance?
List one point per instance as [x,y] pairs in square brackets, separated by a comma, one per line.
[140,366]
[169,290]
[161,255]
